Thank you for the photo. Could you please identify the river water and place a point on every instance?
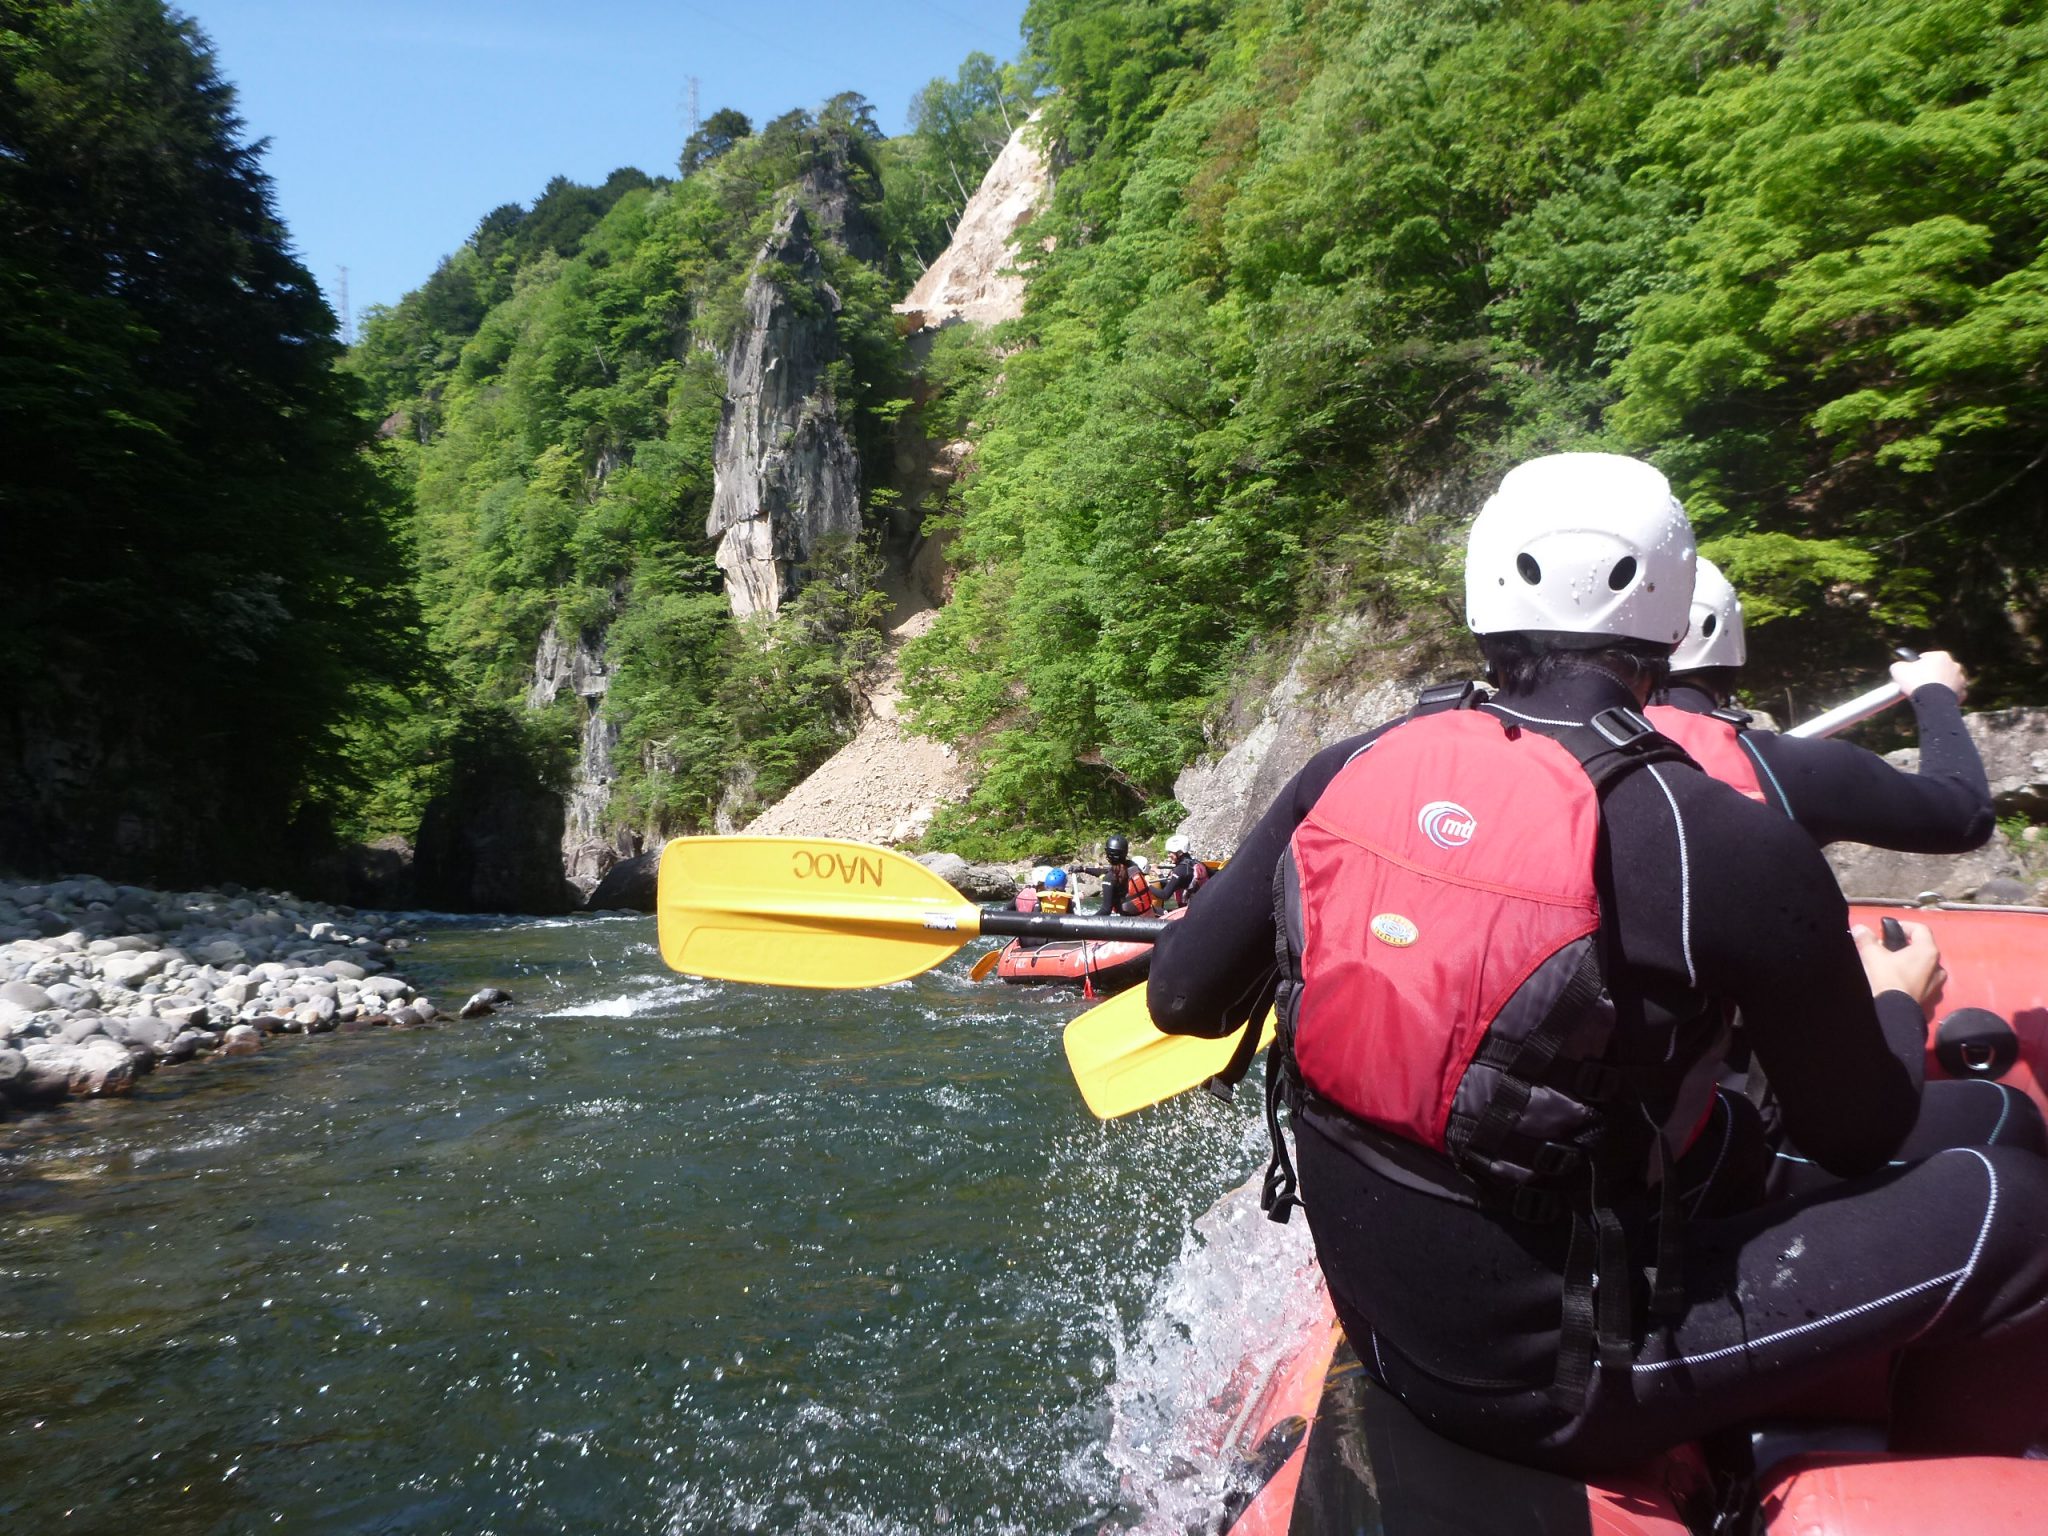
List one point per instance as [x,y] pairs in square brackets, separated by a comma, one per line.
[638,1254]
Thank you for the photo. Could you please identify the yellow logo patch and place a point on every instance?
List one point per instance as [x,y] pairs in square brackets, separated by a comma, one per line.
[1392,928]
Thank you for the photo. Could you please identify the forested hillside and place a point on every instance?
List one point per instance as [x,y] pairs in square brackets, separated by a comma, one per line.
[552,395]
[1314,272]
[1322,268]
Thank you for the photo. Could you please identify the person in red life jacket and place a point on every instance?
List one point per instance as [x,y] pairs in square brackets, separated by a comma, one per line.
[1841,792]
[1125,890]
[1503,941]
[1186,875]
[1838,791]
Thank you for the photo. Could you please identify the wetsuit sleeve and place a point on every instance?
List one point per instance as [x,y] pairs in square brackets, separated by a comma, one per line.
[1841,793]
[1171,883]
[1771,935]
[1217,967]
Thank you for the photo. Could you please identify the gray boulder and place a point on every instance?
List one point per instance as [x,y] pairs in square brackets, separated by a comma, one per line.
[628,886]
[977,882]
[26,995]
[1880,872]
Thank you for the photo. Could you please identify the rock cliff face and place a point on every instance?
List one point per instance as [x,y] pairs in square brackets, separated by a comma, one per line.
[578,668]
[787,477]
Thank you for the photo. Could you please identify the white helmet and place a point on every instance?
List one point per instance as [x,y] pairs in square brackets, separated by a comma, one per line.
[1715,639]
[1581,544]
[1178,843]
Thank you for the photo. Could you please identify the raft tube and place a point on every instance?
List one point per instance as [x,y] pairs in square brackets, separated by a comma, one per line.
[1108,966]
[1323,1448]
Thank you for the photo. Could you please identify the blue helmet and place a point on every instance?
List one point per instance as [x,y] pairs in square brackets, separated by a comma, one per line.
[1056,880]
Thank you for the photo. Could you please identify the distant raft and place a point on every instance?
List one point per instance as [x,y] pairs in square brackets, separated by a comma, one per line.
[1103,966]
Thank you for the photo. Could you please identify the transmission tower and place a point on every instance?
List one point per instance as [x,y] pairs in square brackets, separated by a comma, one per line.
[693,103]
[348,334]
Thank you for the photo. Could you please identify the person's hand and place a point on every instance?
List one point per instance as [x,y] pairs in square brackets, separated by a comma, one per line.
[1931,667]
[1915,970]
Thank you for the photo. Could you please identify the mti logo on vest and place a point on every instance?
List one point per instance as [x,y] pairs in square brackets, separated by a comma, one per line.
[1447,823]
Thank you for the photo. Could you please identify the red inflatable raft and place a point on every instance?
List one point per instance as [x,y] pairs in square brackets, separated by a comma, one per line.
[1319,1447]
[1106,966]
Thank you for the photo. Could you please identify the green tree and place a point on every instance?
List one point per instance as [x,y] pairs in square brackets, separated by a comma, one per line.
[206,591]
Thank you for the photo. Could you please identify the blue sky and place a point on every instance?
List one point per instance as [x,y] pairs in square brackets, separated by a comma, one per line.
[396,124]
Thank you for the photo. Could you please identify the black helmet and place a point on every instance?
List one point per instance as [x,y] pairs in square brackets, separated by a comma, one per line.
[1119,848]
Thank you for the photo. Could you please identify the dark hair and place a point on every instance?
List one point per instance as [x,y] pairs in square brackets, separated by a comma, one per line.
[1719,681]
[1520,661]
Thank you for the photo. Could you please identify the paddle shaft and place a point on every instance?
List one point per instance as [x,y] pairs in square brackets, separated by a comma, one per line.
[1858,709]
[1058,925]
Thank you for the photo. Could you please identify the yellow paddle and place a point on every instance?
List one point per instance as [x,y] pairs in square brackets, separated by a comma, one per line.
[822,912]
[1122,1062]
[984,965]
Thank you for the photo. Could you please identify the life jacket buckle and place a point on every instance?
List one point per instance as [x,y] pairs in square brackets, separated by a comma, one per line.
[1621,725]
[1554,1159]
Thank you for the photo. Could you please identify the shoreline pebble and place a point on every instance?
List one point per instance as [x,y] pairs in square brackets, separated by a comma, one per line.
[101,983]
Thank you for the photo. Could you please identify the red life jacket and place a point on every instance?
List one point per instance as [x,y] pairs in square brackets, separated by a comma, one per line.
[1714,741]
[1137,894]
[1442,926]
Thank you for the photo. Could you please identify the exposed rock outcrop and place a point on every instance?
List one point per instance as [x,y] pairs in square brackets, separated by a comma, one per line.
[1349,677]
[580,671]
[494,847]
[975,277]
[787,477]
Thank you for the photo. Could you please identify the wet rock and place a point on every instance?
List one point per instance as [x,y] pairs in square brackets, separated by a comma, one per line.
[977,882]
[384,986]
[241,1040]
[13,1066]
[629,886]
[483,1002]
[187,1044]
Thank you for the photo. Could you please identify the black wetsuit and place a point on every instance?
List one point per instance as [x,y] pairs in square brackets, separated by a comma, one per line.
[1178,882]
[1704,894]
[1842,793]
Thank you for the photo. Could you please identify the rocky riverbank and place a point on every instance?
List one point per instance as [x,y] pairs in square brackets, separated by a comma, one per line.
[100,983]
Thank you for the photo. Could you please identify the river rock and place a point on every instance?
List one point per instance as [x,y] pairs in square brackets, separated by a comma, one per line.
[1882,873]
[221,952]
[628,886]
[240,1040]
[153,1034]
[483,1002]
[129,969]
[80,1027]
[188,1043]
[344,970]
[97,1067]
[26,995]
[977,882]
[384,986]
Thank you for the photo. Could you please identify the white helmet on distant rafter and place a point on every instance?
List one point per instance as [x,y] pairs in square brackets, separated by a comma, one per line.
[1178,843]
[1581,544]
[1715,639]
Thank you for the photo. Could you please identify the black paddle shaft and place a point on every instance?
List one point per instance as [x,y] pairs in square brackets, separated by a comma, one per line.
[1055,925]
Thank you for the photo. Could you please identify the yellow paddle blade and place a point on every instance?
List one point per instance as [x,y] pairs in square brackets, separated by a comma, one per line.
[805,912]
[1122,1062]
[984,965]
